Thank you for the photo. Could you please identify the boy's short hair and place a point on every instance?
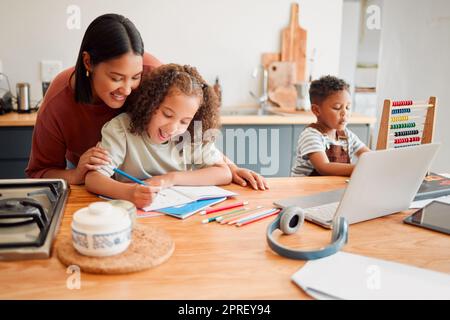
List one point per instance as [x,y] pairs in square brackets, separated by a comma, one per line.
[324,87]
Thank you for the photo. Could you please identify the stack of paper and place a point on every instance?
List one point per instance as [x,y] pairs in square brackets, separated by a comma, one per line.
[350,276]
[422,203]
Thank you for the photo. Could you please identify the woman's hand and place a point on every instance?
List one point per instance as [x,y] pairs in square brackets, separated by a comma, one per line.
[143,195]
[93,159]
[243,177]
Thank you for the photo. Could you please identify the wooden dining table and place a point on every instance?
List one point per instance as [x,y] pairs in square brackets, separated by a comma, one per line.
[214,261]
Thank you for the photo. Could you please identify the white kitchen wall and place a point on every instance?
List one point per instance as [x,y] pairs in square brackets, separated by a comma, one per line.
[369,39]
[414,61]
[351,14]
[222,38]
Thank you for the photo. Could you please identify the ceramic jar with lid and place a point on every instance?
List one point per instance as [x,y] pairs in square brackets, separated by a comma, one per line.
[128,206]
[101,229]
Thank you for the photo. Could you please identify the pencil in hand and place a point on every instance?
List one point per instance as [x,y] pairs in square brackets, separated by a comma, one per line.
[134,179]
[129,176]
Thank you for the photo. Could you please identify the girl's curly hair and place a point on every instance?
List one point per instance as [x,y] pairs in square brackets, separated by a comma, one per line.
[168,79]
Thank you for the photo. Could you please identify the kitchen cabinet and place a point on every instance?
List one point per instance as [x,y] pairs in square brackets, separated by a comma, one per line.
[270,149]
[15,146]
[263,148]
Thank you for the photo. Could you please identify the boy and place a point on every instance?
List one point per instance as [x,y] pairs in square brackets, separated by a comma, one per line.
[327,146]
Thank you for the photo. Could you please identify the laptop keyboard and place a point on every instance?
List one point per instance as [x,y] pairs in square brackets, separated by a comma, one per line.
[323,212]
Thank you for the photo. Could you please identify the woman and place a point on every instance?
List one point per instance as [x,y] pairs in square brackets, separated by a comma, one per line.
[81,100]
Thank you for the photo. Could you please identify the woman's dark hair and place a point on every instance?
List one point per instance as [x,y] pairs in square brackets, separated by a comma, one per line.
[324,87]
[107,37]
[168,79]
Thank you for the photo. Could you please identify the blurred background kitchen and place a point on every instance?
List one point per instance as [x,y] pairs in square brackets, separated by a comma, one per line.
[395,49]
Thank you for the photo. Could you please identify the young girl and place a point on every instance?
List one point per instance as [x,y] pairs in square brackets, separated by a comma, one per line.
[143,141]
[327,146]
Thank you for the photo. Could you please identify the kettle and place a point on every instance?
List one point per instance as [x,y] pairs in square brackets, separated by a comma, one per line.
[6,104]
[23,97]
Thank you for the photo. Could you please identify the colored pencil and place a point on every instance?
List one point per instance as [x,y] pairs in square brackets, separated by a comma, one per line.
[129,176]
[248,216]
[258,218]
[220,215]
[231,206]
[225,218]
[256,215]
[126,175]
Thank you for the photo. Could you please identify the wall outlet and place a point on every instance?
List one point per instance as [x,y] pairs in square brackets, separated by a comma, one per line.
[49,69]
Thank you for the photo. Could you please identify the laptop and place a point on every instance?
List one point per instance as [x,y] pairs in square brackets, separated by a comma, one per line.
[383,182]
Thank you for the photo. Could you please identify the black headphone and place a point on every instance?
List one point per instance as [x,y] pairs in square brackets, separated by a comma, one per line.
[289,220]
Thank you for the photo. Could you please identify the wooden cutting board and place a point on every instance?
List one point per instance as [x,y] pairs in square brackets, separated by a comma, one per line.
[281,74]
[268,57]
[293,44]
[281,79]
[285,97]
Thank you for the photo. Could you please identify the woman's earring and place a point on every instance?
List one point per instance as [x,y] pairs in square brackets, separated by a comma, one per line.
[87,73]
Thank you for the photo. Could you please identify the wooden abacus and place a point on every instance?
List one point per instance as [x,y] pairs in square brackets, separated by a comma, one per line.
[399,126]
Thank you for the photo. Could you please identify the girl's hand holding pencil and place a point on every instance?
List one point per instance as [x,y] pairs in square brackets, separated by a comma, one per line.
[143,195]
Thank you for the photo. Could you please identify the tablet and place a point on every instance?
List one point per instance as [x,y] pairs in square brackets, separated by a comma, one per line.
[434,216]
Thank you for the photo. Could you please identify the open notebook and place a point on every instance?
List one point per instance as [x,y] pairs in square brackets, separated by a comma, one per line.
[186,210]
[181,195]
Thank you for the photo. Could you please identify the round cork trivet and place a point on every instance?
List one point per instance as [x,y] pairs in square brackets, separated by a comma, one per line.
[149,247]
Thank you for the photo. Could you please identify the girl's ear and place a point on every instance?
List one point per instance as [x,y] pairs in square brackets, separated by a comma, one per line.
[315,109]
[87,61]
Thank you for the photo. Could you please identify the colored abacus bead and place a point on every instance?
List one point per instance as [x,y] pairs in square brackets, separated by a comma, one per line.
[402,103]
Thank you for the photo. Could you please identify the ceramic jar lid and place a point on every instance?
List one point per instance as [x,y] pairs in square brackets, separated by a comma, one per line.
[128,206]
[101,217]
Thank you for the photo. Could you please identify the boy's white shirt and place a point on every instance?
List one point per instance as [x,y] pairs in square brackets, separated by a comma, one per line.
[312,140]
[138,156]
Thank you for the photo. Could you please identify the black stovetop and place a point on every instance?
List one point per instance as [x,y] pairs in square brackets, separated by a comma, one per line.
[30,214]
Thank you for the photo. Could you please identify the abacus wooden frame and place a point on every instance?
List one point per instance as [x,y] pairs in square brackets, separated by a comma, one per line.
[385,123]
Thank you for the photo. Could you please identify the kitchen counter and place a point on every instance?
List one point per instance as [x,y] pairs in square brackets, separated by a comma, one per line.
[239,125]
[28,119]
[213,261]
[303,117]
[14,119]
